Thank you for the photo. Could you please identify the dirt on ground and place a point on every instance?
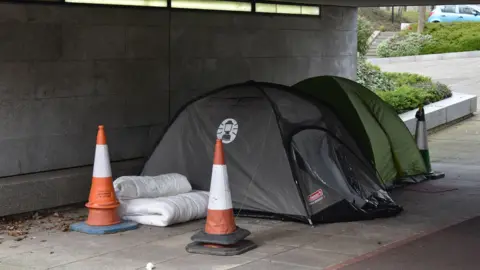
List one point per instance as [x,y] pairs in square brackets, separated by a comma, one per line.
[18,227]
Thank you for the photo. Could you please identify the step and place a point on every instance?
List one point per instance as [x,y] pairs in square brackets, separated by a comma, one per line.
[383,37]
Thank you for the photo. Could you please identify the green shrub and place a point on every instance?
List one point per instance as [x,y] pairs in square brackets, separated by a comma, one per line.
[364,31]
[403,78]
[439,90]
[403,45]
[442,91]
[372,77]
[450,37]
[405,98]
[412,90]
[403,91]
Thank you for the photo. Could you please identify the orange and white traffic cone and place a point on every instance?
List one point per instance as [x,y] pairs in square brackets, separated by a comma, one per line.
[221,236]
[102,202]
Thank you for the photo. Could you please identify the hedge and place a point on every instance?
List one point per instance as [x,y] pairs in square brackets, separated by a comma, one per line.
[407,97]
[452,37]
[436,38]
[403,45]
[403,91]
[372,77]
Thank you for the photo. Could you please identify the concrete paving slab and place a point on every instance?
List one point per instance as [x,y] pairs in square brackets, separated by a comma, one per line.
[129,258]
[345,245]
[310,258]
[269,265]
[12,247]
[103,244]
[290,238]
[177,242]
[50,256]
[203,262]
[266,250]
[14,267]
[366,230]
[104,263]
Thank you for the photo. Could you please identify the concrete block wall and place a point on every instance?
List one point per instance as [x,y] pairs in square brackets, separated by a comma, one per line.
[64,69]
[209,50]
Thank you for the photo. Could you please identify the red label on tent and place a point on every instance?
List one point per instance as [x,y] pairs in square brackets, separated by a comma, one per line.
[315,196]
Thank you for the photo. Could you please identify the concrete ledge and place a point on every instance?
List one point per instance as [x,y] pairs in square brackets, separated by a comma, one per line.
[446,111]
[421,58]
[25,193]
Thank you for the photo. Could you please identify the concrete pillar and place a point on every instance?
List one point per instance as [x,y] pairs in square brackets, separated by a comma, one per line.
[210,50]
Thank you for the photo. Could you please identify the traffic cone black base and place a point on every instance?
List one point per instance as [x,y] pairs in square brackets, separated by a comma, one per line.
[221,239]
[219,250]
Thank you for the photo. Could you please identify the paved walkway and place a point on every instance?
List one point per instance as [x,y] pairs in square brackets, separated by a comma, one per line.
[462,75]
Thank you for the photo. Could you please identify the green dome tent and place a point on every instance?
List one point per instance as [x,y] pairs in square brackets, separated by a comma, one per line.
[379,132]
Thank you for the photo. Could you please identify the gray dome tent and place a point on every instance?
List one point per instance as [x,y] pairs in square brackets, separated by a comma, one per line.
[288,156]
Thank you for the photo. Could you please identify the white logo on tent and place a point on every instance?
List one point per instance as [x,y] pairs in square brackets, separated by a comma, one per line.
[227,131]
